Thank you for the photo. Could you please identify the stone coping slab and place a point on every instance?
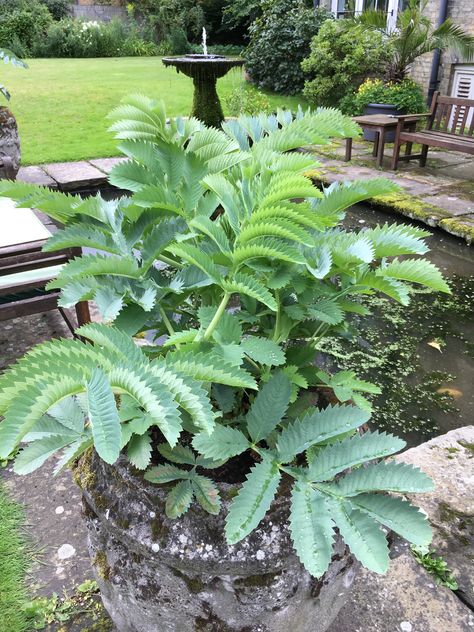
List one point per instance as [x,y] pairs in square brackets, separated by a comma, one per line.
[434,199]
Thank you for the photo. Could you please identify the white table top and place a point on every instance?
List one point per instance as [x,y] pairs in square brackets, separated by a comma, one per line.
[19,225]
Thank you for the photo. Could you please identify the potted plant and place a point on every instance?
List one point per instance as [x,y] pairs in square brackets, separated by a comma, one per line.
[375,96]
[9,139]
[226,482]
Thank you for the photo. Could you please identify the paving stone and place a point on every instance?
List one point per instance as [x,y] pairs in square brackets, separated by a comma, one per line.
[449,460]
[406,599]
[75,175]
[35,175]
[106,164]
[456,206]
[464,171]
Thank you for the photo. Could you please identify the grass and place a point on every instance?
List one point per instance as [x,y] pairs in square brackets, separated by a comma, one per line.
[61,104]
[14,560]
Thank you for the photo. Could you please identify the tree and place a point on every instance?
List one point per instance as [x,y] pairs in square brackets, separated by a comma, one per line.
[415,36]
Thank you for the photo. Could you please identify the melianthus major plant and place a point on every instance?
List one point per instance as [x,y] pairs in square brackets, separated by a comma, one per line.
[235,266]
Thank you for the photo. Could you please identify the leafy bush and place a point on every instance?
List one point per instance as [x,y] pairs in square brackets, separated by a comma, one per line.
[230,50]
[247,100]
[76,38]
[217,210]
[406,96]
[59,9]
[342,56]
[279,41]
[22,27]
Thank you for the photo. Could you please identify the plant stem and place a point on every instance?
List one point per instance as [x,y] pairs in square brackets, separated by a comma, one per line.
[167,323]
[217,316]
[276,333]
[170,262]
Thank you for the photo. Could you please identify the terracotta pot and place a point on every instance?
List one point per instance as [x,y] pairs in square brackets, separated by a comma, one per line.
[9,145]
[162,575]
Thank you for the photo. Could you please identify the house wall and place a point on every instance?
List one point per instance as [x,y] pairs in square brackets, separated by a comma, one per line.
[462,13]
[106,11]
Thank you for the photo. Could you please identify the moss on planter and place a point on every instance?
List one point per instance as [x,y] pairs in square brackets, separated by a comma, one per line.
[82,473]
[102,565]
[413,207]
[458,227]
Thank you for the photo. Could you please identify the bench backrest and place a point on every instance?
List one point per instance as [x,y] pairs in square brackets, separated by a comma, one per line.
[453,115]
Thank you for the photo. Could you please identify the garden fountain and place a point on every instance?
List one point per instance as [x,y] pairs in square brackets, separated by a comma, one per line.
[205,70]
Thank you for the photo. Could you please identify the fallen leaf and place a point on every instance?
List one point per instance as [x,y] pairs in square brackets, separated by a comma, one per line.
[435,345]
[453,392]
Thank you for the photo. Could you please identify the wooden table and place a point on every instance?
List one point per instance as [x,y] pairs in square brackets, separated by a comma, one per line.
[378,123]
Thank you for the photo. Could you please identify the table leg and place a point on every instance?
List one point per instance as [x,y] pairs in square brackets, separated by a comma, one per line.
[348,155]
[381,147]
[376,143]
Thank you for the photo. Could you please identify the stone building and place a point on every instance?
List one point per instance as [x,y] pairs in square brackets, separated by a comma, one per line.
[455,75]
[104,11]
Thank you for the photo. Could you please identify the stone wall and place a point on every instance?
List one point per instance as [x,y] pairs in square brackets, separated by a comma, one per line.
[101,12]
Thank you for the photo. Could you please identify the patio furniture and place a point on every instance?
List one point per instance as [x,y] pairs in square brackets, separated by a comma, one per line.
[25,269]
[378,123]
[450,125]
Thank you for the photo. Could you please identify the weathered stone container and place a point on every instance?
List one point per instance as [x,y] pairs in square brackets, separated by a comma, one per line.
[162,575]
[9,145]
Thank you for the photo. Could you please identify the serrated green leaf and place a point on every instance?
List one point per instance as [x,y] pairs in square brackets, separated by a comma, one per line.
[179,454]
[209,367]
[253,500]
[249,286]
[391,477]
[139,451]
[363,537]
[109,302]
[416,271]
[206,494]
[326,311]
[350,452]
[224,396]
[224,443]
[318,426]
[103,416]
[268,407]
[165,474]
[179,499]
[263,351]
[311,528]
[396,514]
[196,257]
[34,455]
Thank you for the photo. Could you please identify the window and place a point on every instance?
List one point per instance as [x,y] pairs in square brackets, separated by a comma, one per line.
[463,85]
[347,8]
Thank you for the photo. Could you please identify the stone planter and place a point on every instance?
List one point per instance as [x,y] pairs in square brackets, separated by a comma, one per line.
[9,145]
[381,108]
[161,575]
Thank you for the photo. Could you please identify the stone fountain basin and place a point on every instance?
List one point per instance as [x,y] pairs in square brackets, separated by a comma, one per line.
[203,66]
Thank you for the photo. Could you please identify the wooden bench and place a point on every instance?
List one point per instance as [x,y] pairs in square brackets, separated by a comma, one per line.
[25,269]
[450,125]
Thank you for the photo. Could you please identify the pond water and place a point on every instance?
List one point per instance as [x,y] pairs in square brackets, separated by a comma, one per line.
[422,356]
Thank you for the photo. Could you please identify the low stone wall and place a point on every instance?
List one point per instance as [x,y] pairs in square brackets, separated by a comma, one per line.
[98,12]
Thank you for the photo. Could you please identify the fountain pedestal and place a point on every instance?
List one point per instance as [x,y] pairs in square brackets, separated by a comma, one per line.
[205,70]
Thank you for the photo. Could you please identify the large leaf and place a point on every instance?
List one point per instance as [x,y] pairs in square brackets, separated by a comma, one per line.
[393,477]
[249,286]
[362,535]
[209,367]
[416,271]
[34,455]
[224,443]
[318,426]
[350,452]
[179,499]
[311,528]
[396,514]
[253,500]
[104,417]
[139,450]
[206,494]
[263,350]
[269,407]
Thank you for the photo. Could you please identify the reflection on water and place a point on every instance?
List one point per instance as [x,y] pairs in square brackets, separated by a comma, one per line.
[423,355]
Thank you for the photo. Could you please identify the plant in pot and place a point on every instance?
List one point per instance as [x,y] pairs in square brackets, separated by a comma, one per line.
[227,483]
[9,139]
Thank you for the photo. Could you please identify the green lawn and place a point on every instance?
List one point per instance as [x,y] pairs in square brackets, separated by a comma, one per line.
[61,104]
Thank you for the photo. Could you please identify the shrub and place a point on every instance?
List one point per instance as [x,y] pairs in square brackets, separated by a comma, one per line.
[247,100]
[22,27]
[407,96]
[59,9]
[279,41]
[215,385]
[76,38]
[342,56]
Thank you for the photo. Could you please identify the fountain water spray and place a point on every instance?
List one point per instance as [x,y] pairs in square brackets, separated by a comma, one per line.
[204,41]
